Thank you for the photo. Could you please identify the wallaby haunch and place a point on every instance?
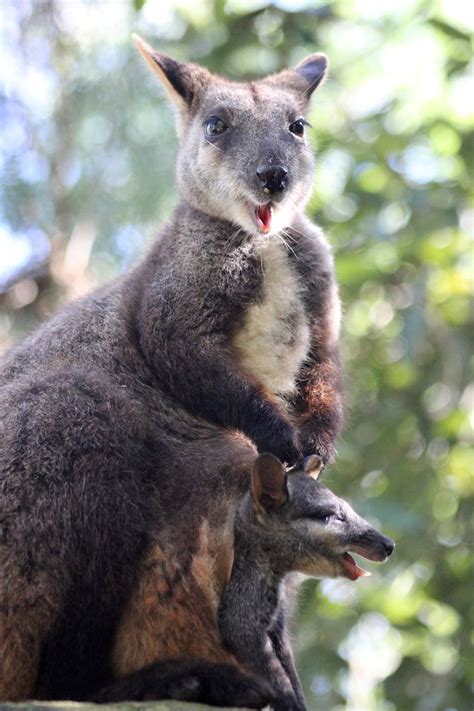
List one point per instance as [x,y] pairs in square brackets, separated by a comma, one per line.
[130,420]
[288,523]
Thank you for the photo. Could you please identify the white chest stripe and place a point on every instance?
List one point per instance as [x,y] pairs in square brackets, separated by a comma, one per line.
[275,337]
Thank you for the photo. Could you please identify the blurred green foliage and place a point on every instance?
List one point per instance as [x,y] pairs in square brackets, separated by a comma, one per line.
[87,148]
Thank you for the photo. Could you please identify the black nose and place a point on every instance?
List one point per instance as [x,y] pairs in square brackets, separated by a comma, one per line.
[273,178]
[388,545]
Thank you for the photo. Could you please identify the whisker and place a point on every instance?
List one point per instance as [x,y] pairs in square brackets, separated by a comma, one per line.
[287,234]
[216,147]
[232,240]
[287,246]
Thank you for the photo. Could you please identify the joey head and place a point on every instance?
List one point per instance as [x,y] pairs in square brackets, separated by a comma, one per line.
[288,526]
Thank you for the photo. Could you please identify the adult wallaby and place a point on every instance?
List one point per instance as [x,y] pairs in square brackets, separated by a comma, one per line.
[129,421]
[287,524]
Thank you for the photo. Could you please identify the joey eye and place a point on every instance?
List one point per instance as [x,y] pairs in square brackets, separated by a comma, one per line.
[330,516]
[215,126]
[297,127]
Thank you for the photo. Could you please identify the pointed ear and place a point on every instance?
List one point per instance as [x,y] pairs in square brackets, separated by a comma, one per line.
[313,70]
[269,488]
[181,80]
[304,78]
[313,466]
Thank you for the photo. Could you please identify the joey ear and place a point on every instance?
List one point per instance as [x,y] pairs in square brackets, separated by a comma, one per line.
[313,70]
[313,466]
[269,482]
[181,80]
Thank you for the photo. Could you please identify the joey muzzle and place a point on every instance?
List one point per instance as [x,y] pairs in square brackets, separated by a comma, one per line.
[372,546]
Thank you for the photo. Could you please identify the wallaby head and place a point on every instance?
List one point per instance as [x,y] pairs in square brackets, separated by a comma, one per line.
[244,155]
[302,526]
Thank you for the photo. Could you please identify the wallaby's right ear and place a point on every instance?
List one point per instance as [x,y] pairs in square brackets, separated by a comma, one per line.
[312,70]
[304,78]
[181,80]
[269,482]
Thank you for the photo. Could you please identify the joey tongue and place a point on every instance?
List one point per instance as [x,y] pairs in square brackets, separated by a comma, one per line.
[351,569]
[264,217]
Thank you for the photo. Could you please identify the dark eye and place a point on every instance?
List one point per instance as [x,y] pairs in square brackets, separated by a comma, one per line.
[215,126]
[329,516]
[297,127]
[323,516]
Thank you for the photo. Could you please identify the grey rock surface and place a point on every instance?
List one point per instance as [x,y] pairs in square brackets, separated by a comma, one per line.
[126,706]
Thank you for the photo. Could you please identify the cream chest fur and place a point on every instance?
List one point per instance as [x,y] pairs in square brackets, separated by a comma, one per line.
[275,337]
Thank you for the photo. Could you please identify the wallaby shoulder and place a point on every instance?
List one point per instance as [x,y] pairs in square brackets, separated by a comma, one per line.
[92,331]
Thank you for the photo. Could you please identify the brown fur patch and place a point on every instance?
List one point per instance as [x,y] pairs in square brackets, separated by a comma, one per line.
[323,391]
[27,612]
[173,613]
[19,654]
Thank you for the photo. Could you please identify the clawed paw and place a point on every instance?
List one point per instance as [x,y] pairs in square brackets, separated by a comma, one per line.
[320,446]
[282,442]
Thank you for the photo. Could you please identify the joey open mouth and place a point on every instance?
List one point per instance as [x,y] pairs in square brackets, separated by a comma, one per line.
[351,569]
[264,214]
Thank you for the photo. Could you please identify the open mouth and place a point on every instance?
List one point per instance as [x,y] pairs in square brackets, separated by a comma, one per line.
[264,215]
[351,569]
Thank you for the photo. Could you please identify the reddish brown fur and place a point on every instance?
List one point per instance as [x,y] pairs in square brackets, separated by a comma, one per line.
[321,394]
[25,617]
[170,615]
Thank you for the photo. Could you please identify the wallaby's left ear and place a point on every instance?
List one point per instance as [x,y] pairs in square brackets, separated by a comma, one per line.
[269,486]
[181,80]
[313,70]
[313,466]
[304,78]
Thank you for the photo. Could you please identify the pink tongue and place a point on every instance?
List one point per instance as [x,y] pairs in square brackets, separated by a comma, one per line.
[264,218]
[351,568]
